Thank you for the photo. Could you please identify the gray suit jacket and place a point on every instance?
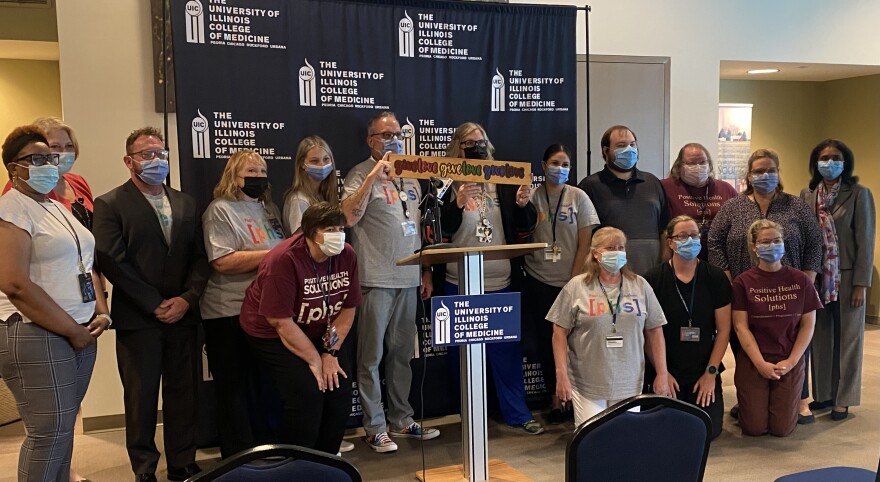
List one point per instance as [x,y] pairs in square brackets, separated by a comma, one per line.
[855,221]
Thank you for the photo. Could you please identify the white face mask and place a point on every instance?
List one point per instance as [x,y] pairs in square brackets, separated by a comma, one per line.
[333,243]
[695,175]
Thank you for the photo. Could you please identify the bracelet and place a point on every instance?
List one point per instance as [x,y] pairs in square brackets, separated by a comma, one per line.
[105,315]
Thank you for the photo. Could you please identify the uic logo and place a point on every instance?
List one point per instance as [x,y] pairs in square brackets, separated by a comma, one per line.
[201,137]
[307,90]
[406,36]
[443,325]
[195,22]
[409,138]
[497,92]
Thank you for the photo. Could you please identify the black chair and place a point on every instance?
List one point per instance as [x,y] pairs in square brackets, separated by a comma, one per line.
[280,462]
[833,474]
[667,441]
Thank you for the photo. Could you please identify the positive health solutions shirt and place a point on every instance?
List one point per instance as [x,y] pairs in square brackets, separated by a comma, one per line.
[290,285]
[596,371]
[232,226]
[775,302]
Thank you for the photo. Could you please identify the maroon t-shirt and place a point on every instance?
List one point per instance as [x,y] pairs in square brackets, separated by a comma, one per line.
[774,302]
[289,284]
[700,203]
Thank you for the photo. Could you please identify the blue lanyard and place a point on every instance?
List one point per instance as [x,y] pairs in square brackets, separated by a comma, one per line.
[324,295]
[616,309]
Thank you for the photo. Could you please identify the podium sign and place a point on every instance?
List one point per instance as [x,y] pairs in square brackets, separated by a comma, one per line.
[469,319]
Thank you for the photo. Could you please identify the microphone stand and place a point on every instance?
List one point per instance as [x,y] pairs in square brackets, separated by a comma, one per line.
[431,219]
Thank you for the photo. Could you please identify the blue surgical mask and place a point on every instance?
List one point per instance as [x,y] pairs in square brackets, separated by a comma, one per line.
[65,162]
[394,146]
[42,178]
[319,173]
[154,172]
[771,253]
[688,249]
[765,183]
[557,174]
[612,261]
[830,170]
[626,158]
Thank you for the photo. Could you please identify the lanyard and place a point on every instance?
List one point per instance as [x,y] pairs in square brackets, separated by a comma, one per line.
[72,231]
[616,309]
[324,294]
[689,308]
[554,214]
[402,195]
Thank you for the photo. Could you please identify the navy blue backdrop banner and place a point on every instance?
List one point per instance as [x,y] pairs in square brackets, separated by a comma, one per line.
[263,74]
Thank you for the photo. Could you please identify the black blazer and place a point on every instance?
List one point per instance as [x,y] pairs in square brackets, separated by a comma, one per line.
[133,254]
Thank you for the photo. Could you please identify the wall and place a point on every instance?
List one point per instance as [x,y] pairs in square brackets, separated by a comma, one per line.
[106,80]
[28,89]
[28,23]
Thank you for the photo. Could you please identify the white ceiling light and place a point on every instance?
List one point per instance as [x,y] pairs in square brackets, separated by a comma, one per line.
[763,71]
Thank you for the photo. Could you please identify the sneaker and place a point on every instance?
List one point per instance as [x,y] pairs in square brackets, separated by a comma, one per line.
[416,431]
[346,446]
[532,427]
[381,443]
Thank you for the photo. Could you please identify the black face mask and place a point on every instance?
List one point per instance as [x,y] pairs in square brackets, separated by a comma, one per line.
[476,152]
[254,187]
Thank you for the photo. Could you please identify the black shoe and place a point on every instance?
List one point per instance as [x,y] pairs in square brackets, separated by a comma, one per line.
[818,406]
[145,478]
[734,412]
[179,475]
[806,419]
[838,416]
[555,417]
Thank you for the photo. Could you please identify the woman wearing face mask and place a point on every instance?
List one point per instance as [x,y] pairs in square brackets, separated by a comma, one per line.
[774,311]
[314,181]
[241,225]
[606,320]
[845,210]
[765,199]
[491,215]
[695,297]
[297,315]
[692,190]
[51,314]
[566,217]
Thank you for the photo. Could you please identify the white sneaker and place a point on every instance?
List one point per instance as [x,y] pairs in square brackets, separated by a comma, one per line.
[346,446]
[381,443]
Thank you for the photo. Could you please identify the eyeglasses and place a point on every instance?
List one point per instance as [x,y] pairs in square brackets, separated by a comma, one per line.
[768,242]
[686,236]
[150,154]
[387,136]
[42,159]
[471,143]
[761,172]
[699,162]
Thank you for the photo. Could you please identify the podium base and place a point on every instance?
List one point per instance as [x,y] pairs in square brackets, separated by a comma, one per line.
[498,471]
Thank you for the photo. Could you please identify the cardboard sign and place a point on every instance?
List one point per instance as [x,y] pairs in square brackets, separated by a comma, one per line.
[465,320]
[464,170]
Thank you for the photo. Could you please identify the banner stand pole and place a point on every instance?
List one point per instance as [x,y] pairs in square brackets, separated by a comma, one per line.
[587,9]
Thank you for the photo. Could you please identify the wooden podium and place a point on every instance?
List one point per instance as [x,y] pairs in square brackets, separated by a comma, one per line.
[474,448]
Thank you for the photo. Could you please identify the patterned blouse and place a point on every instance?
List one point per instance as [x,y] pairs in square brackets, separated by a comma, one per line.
[728,246]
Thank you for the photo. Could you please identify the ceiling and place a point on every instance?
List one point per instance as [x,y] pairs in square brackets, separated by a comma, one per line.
[736,70]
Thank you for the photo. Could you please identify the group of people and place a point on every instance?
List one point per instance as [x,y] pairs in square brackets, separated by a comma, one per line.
[642,286]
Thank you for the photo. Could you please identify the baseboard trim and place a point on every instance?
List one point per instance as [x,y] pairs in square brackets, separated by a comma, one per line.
[873,320]
[109,422]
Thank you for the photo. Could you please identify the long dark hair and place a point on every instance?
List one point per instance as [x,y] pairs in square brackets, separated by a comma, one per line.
[849,162]
[553,149]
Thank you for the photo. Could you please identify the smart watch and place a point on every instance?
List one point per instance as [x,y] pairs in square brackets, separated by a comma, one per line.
[334,353]
[712,369]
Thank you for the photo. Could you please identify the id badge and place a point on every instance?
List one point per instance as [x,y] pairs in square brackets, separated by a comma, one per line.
[688,333]
[613,341]
[551,254]
[87,287]
[409,228]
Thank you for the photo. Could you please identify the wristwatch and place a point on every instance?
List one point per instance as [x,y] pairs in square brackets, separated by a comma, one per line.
[334,353]
[712,369]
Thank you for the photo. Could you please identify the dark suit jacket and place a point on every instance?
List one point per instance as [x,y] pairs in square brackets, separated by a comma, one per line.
[144,269]
[854,220]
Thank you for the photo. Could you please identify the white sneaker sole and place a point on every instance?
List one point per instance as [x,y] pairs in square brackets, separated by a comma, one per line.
[425,436]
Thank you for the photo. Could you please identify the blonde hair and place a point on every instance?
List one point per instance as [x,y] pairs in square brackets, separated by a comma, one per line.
[591,265]
[328,190]
[228,188]
[453,149]
[48,124]
[753,232]
[761,154]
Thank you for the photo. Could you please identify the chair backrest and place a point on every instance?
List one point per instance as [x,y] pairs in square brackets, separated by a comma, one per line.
[280,462]
[667,441]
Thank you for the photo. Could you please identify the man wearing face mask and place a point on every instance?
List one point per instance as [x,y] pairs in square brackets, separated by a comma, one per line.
[383,213]
[629,199]
[692,190]
[148,241]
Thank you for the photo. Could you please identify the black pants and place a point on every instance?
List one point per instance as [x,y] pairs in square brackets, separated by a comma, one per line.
[231,365]
[311,419]
[715,409]
[168,354]
[538,298]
